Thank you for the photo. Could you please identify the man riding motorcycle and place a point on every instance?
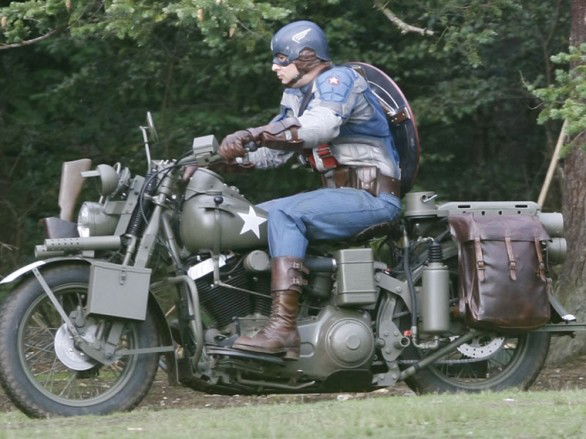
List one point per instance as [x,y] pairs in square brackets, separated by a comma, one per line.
[331,118]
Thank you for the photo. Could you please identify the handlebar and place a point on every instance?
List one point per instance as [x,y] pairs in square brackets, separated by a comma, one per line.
[205,152]
[202,159]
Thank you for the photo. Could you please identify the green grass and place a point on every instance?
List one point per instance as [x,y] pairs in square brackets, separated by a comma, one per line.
[489,415]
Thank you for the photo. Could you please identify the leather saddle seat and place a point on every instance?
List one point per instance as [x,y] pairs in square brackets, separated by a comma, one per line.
[387,229]
[375,231]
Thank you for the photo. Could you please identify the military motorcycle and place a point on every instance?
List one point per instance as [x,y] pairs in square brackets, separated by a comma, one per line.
[165,273]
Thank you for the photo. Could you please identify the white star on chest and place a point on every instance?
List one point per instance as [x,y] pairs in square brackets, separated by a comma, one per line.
[334,81]
[251,222]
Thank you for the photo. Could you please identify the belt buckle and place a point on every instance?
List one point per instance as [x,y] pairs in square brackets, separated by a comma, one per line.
[324,152]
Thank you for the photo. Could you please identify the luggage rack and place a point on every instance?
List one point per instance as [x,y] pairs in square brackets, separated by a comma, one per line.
[489,208]
[564,328]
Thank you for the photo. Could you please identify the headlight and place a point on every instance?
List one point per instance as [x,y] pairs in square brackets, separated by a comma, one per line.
[83,221]
[92,220]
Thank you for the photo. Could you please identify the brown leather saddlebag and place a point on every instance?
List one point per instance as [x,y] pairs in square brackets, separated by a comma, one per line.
[503,283]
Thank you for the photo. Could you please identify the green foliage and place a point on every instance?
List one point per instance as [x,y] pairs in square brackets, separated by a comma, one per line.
[136,19]
[25,20]
[203,66]
[218,19]
[469,26]
[566,99]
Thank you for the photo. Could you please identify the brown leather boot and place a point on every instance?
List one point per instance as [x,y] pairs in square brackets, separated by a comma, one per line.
[280,335]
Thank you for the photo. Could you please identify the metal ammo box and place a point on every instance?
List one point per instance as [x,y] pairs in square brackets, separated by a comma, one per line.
[355,277]
[118,290]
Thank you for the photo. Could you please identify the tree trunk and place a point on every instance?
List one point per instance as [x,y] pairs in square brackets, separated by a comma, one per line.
[572,285]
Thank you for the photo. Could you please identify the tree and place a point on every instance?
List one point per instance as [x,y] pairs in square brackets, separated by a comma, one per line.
[572,284]
[203,66]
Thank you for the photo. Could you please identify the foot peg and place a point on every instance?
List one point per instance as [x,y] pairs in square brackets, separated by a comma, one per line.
[244,355]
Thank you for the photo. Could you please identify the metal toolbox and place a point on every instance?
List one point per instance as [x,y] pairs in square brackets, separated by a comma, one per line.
[118,290]
[355,277]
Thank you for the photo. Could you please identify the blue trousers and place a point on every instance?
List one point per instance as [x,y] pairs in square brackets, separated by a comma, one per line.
[323,214]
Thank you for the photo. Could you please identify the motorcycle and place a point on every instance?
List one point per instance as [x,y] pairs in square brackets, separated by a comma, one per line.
[162,273]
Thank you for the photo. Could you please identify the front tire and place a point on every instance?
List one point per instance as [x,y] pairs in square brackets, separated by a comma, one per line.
[35,378]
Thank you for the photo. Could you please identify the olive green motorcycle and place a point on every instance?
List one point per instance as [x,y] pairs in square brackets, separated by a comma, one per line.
[164,272]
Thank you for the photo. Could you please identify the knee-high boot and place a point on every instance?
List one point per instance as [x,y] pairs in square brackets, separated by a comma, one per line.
[280,335]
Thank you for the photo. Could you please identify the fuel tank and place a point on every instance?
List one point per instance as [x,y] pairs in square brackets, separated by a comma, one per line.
[216,217]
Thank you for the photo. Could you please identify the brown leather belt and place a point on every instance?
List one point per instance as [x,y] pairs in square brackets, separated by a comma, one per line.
[389,185]
[345,176]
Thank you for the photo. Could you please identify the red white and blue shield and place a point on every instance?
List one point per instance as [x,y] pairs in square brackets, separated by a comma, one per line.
[401,120]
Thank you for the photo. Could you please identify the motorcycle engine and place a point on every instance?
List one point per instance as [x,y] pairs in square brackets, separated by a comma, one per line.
[225,304]
[349,342]
[335,340]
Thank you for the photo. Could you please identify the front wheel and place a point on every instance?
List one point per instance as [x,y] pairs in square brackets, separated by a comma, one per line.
[43,372]
[488,362]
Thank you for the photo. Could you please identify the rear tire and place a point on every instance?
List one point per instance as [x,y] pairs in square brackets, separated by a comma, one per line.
[516,364]
[492,361]
[32,374]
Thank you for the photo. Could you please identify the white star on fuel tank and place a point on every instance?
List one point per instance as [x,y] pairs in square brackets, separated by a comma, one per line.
[251,222]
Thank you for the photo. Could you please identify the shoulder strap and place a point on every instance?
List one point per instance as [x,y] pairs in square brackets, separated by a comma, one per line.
[307,97]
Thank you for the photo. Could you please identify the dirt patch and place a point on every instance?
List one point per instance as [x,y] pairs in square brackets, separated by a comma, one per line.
[164,396]
[571,375]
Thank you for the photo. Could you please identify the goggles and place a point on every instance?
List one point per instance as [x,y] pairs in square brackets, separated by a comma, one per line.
[281,60]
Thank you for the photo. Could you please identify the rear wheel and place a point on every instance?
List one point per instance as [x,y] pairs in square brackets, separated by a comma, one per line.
[45,374]
[491,361]
[488,362]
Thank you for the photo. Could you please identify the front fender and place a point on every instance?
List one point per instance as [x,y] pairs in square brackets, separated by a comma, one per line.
[23,272]
[16,277]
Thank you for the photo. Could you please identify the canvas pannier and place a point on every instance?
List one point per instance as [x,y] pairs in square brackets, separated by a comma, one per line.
[502,277]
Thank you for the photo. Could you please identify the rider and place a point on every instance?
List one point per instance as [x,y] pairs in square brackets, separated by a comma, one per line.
[330,117]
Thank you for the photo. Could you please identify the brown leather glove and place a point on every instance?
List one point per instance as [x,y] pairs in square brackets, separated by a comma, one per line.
[233,145]
[282,135]
[188,172]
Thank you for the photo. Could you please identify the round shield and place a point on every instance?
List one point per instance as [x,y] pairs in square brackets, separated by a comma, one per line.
[401,120]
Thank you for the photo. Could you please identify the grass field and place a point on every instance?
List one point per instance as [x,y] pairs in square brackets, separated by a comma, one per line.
[489,415]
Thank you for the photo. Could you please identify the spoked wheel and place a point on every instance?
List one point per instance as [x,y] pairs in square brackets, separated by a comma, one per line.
[42,370]
[491,361]
[488,362]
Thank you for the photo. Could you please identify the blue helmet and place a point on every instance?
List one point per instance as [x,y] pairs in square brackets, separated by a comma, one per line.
[291,39]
